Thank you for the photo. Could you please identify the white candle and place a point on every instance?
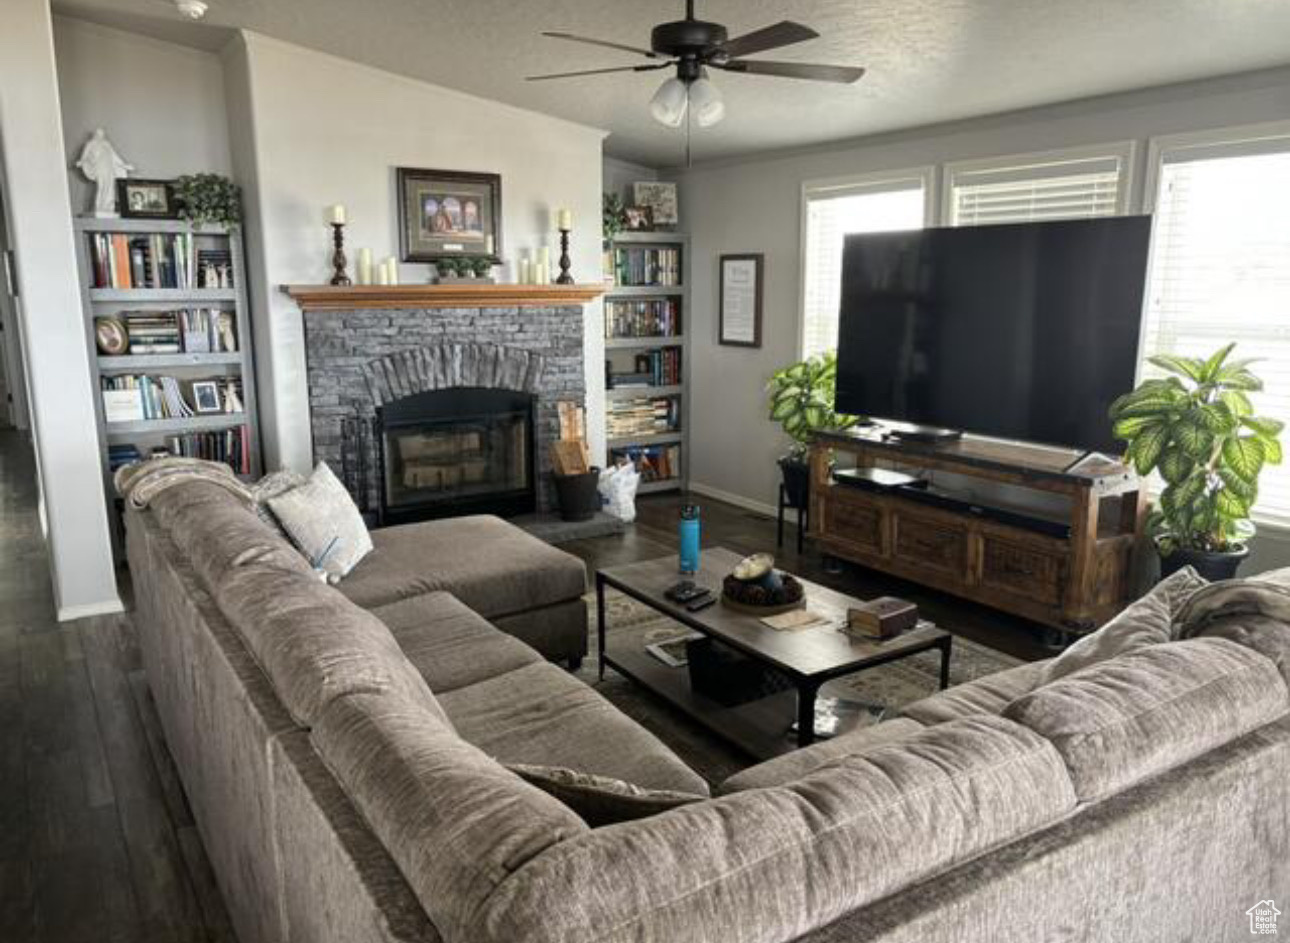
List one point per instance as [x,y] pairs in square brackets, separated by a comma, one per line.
[336,214]
[392,275]
[543,266]
[488,245]
[526,271]
[365,266]
[382,274]
[564,219]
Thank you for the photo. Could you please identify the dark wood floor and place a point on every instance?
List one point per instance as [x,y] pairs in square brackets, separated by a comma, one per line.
[96,839]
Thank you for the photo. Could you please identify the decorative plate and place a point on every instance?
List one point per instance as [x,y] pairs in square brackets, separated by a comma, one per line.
[111,336]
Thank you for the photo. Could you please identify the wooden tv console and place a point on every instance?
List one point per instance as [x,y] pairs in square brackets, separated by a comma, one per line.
[1072,583]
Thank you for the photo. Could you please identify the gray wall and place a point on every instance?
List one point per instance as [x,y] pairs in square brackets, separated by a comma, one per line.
[754,205]
[161,104]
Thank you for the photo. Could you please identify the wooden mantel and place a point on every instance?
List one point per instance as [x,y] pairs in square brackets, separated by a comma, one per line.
[357,297]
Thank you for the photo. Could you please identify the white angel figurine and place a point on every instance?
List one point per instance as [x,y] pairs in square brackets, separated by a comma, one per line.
[103,166]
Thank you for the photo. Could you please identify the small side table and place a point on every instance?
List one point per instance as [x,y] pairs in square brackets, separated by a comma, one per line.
[803,518]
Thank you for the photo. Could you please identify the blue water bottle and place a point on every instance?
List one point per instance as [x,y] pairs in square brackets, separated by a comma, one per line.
[688,539]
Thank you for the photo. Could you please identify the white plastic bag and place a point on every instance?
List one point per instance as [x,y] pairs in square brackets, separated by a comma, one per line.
[618,491]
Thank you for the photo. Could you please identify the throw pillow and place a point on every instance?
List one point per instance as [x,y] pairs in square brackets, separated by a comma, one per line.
[1149,621]
[322,520]
[271,486]
[601,800]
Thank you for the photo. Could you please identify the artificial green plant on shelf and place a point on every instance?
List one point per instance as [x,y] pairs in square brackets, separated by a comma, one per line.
[209,199]
[1196,427]
[800,398]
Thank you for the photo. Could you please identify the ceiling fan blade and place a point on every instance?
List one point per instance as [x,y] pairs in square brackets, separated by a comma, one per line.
[648,53]
[770,37]
[841,74]
[621,68]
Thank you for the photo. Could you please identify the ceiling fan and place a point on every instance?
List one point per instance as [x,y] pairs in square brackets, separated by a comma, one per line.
[693,46]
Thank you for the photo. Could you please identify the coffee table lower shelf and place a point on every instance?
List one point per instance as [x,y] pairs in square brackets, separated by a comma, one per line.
[759,728]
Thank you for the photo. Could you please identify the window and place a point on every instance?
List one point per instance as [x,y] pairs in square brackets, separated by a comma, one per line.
[832,211]
[1067,185]
[1220,269]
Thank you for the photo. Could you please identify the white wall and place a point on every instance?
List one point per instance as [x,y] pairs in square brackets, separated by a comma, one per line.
[323,130]
[161,104]
[54,336]
[754,205]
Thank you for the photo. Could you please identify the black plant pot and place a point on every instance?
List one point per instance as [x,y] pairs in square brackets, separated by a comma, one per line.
[797,480]
[578,495]
[1212,566]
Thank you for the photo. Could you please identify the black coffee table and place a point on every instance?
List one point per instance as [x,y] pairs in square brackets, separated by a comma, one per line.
[808,657]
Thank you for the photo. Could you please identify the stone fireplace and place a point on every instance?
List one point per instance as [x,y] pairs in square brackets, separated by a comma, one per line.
[432,412]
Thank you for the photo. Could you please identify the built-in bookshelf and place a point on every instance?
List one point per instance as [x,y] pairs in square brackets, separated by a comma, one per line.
[170,344]
[646,363]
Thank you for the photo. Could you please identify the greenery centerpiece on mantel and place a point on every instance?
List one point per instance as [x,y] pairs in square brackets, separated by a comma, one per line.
[1197,428]
[801,398]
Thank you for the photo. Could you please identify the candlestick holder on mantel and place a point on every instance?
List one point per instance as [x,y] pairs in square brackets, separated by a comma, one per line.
[565,262]
[338,261]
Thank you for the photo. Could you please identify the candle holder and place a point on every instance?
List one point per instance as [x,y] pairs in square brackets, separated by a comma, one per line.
[565,262]
[338,261]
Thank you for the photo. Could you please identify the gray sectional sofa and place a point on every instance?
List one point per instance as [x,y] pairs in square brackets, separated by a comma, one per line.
[358,760]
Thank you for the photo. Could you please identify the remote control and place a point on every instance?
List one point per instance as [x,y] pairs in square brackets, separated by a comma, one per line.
[701,603]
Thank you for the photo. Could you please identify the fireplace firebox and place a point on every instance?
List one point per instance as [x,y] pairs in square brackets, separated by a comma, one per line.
[463,450]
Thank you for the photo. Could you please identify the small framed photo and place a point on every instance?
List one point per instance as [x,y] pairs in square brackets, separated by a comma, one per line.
[449,213]
[740,300]
[145,199]
[206,397]
[639,218]
[660,198]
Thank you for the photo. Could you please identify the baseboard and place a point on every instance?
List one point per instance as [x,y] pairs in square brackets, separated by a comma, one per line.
[731,498]
[68,613]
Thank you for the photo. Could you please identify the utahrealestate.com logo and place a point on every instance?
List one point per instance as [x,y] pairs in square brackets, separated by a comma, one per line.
[1263,918]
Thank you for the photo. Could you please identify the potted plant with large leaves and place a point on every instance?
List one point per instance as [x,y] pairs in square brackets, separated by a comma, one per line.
[801,401]
[1197,428]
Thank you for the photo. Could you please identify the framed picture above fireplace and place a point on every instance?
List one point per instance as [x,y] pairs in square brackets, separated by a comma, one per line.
[448,213]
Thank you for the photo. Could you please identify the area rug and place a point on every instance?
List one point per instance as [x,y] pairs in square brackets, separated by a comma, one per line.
[885,688]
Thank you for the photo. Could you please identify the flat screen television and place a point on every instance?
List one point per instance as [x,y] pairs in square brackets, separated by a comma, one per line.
[1024,331]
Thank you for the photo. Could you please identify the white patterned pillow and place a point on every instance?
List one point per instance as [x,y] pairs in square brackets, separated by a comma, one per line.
[322,520]
[271,486]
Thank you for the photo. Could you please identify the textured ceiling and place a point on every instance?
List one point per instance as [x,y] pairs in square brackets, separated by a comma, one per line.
[928,60]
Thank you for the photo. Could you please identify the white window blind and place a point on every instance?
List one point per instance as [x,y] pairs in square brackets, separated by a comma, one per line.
[831,215]
[1220,272]
[1063,189]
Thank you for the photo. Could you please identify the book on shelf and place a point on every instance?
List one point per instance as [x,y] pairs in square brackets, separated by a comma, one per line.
[133,398]
[120,455]
[155,260]
[229,446]
[187,330]
[642,416]
[654,462]
[653,368]
[646,317]
[647,266]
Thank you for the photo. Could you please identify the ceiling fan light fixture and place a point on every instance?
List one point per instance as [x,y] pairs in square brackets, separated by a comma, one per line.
[706,104]
[669,103]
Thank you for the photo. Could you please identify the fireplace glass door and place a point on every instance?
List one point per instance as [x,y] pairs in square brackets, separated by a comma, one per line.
[458,451]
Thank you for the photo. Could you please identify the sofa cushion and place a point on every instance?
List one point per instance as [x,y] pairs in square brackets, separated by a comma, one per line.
[601,800]
[541,715]
[314,644]
[452,646]
[797,763]
[1147,621]
[216,531]
[492,566]
[775,864]
[456,823]
[988,695]
[323,521]
[1123,720]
